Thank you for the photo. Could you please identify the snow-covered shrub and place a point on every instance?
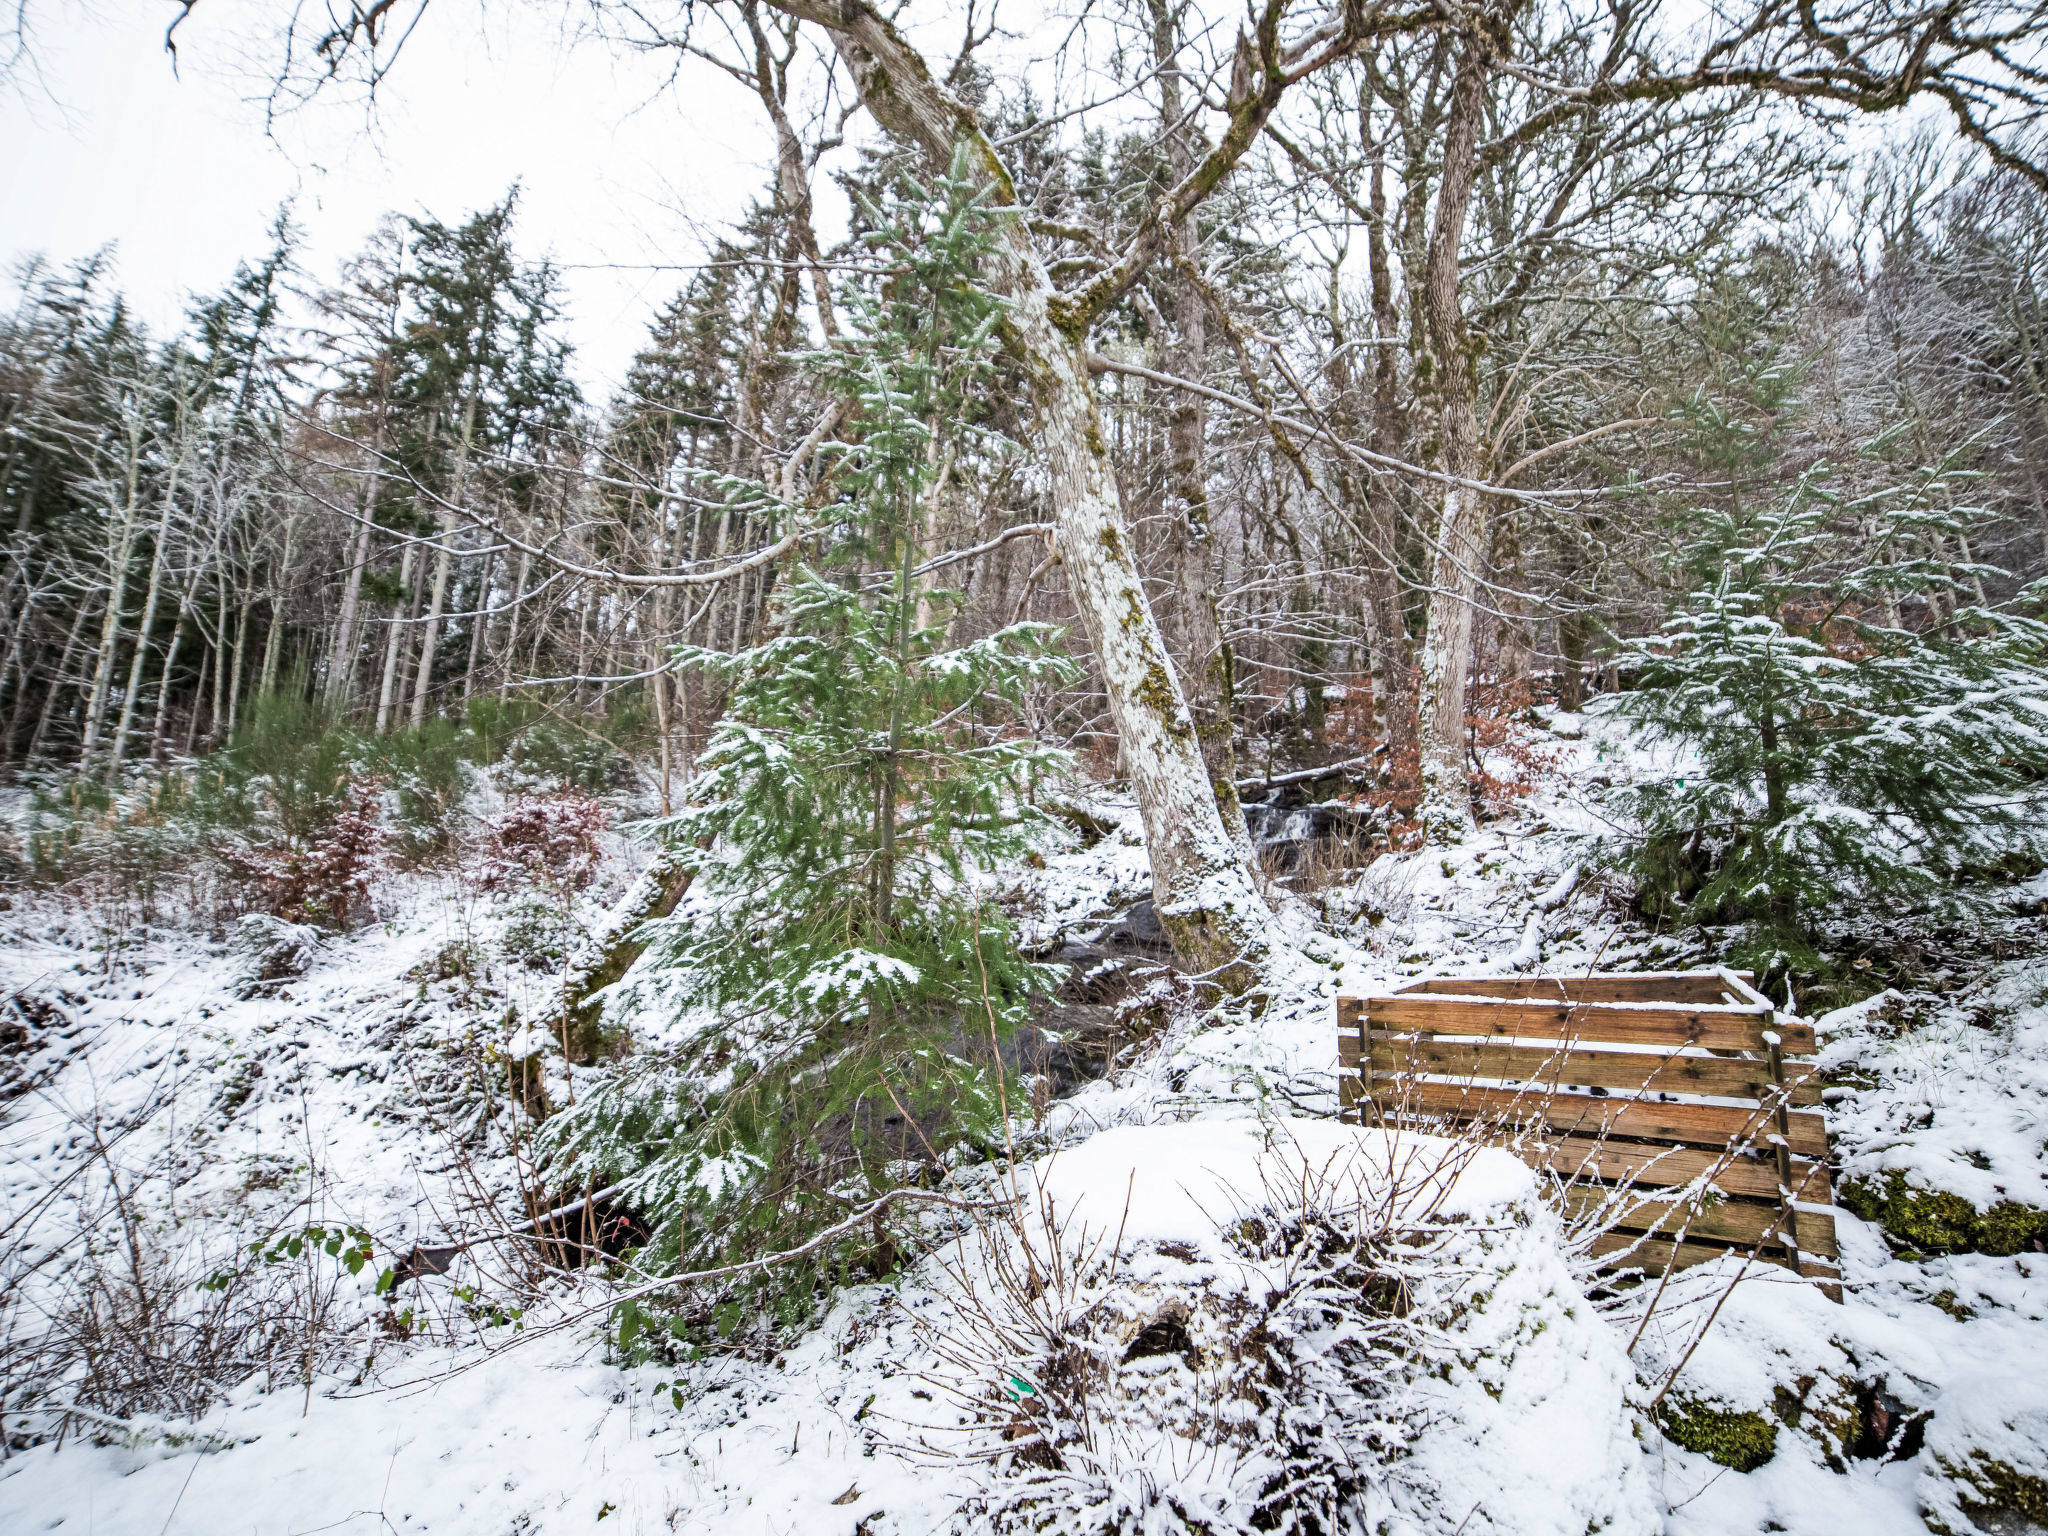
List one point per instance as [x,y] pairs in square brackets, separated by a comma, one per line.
[129,841]
[159,1318]
[538,934]
[274,952]
[1510,760]
[548,840]
[281,819]
[544,849]
[1847,722]
[551,755]
[429,774]
[322,876]
[1298,1327]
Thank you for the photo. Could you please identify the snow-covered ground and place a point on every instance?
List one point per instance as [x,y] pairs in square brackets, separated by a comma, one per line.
[349,1096]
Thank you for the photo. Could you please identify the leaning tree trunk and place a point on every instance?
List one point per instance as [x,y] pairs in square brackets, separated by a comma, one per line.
[1203,885]
[576,1017]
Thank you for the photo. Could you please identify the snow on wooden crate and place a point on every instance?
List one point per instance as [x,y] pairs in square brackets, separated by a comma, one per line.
[1675,1103]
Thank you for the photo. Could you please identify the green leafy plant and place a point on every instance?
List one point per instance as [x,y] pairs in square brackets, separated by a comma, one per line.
[286,769]
[350,1246]
[428,768]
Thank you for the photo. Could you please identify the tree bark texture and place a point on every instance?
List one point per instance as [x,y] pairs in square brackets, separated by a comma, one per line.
[118,560]
[576,1018]
[1210,679]
[1203,885]
[1458,550]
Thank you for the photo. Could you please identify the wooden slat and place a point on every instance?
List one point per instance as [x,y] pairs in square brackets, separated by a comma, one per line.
[1702,1125]
[1728,1221]
[1604,987]
[1653,1254]
[1530,1035]
[1718,1029]
[1574,1066]
[1583,1158]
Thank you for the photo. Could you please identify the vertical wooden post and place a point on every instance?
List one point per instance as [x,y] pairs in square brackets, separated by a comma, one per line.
[1368,1111]
[1789,1226]
[1351,1012]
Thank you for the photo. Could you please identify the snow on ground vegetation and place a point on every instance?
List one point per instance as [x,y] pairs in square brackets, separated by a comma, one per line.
[1432,1345]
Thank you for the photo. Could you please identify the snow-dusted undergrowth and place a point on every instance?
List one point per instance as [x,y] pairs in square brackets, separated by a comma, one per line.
[347,1096]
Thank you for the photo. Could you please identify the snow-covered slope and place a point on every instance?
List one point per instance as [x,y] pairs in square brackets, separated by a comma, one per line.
[240,1109]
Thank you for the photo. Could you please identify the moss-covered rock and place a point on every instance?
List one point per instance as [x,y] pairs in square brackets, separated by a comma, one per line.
[1825,1411]
[2010,1227]
[1996,1495]
[1739,1439]
[1936,1221]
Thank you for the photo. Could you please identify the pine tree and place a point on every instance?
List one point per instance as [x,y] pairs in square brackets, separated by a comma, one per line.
[837,972]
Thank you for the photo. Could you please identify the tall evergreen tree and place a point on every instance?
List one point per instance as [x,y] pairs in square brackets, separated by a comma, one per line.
[836,958]
[482,382]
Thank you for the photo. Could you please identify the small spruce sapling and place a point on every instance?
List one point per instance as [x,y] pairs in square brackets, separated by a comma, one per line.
[1849,726]
[836,970]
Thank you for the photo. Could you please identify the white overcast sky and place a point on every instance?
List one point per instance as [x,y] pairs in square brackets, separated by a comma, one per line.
[109,147]
[628,162]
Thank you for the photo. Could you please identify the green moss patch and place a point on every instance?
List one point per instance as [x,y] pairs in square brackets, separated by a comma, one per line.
[1741,1440]
[1992,1492]
[1936,1221]
[2009,1227]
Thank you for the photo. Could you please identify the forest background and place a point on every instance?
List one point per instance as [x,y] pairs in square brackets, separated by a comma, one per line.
[1296,428]
[1364,379]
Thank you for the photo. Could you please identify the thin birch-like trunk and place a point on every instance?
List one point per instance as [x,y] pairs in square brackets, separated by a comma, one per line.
[512,633]
[211,658]
[341,665]
[444,558]
[163,687]
[479,624]
[17,664]
[1393,649]
[57,683]
[273,639]
[219,642]
[387,688]
[656,638]
[235,677]
[117,591]
[341,660]
[149,602]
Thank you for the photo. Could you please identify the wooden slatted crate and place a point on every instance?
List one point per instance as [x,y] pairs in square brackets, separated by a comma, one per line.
[1644,1080]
